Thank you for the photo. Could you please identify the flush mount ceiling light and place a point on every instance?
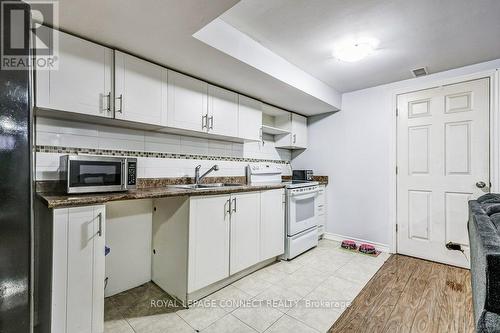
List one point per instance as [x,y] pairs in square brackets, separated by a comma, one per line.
[351,50]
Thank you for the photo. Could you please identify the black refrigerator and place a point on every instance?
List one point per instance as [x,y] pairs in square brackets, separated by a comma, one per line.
[16,183]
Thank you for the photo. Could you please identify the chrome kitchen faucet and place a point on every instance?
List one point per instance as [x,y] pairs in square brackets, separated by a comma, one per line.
[198,178]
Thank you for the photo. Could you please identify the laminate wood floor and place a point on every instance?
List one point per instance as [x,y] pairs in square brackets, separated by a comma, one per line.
[411,295]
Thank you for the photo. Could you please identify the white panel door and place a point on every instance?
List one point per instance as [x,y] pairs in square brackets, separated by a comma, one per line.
[272,223]
[82,81]
[140,90]
[249,118]
[443,156]
[85,270]
[187,102]
[208,240]
[222,111]
[245,231]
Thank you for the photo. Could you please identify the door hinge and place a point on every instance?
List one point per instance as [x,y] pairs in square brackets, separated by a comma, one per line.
[396,227]
[397,112]
[396,170]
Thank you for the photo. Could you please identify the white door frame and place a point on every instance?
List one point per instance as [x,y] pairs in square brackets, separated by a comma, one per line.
[494,119]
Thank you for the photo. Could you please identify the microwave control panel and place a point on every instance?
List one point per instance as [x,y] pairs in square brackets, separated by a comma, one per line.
[131,173]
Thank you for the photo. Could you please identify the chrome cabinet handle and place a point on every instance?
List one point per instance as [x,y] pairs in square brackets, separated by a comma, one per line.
[480,184]
[99,232]
[121,103]
[204,121]
[229,206]
[211,122]
[108,97]
[234,207]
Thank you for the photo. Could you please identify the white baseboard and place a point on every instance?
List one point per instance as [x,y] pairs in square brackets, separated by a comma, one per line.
[340,238]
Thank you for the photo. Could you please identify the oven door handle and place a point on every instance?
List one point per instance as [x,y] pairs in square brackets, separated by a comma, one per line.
[303,196]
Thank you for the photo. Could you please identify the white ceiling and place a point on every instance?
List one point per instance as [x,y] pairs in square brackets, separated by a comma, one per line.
[161,31]
[440,35]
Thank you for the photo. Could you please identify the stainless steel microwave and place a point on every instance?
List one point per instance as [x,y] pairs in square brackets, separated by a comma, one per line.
[89,174]
[302,175]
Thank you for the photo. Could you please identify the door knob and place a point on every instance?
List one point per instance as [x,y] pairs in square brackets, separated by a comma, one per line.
[480,184]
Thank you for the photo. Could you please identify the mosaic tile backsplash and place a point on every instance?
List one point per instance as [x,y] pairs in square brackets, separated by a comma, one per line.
[158,154]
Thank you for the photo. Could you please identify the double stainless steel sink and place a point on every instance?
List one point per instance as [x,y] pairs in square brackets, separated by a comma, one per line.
[198,178]
[204,186]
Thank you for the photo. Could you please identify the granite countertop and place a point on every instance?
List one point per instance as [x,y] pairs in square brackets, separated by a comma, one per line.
[52,194]
[72,200]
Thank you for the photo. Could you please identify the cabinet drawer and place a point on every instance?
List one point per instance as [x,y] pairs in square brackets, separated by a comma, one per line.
[321,200]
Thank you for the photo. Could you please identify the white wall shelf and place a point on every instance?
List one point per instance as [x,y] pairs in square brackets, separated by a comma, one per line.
[274,130]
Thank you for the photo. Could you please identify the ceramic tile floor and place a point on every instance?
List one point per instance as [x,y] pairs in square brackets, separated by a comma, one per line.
[304,295]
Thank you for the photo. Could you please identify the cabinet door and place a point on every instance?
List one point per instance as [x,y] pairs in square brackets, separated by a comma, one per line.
[85,270]
[321,209]
[82,81]
[299,131]
[272,233]
[208,241]
[187,102]
[245,231]
[222,111]
[297,125]
[249,118]
[140,90]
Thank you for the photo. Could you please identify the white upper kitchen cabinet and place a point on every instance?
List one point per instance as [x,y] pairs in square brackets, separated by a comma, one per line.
[245,231]
[187,102]
[222,111]
[249,118]
[78,270]
[140,90]
[209,219]
[297,126]
[272,223]
[81,83]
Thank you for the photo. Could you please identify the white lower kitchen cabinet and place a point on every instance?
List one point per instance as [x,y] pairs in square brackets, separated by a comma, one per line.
[78,270]
[208,240]
[272,226]
[202,243]
[245,231]
[321,210]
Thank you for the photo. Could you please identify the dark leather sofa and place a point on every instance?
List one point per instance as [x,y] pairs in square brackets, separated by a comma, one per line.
[484,236]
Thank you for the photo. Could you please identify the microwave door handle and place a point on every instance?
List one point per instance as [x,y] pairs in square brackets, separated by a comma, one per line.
[68,167]
[124,176]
